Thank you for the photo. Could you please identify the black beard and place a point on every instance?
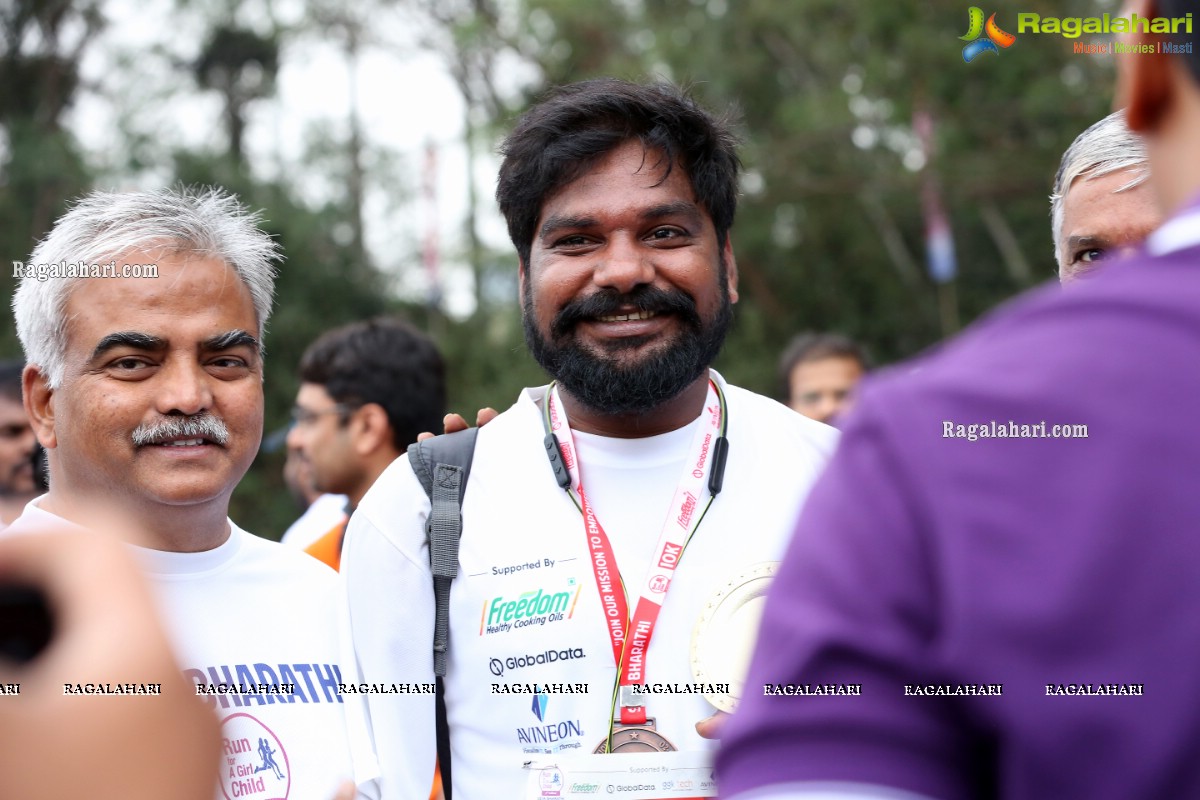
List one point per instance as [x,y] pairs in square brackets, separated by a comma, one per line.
[609,387]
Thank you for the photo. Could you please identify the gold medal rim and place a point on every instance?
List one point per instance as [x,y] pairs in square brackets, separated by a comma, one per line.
[734,590]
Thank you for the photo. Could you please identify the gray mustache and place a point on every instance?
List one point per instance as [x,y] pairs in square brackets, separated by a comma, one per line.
[201,426]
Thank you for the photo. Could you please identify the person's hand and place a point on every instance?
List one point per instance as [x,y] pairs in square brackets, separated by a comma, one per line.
[452,423]
[128,747]
[711,727]
[345,791]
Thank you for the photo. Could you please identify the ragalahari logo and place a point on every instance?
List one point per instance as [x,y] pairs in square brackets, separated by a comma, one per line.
[995,40]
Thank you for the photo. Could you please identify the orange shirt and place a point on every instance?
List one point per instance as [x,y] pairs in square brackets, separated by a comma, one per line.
[328,550]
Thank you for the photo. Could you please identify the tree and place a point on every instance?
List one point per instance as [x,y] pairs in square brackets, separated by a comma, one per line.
[830,229]
[321,284]
[41,166]
[240,65]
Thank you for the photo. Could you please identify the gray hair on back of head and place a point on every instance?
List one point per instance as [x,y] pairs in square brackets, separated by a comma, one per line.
[103,226]
[1107,146]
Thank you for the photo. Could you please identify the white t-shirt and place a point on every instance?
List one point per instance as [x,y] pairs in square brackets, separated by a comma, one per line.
[251,613]
[523,540]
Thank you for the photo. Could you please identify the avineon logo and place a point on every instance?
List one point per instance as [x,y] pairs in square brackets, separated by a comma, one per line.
[497,666]
[539,706]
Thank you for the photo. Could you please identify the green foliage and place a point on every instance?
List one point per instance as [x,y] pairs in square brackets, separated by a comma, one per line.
[830,234]
[41,167]
[42,172]
[489,363]
[241,66]
[320,286]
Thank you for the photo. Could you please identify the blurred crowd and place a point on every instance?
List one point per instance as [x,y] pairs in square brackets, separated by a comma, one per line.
[1001,616]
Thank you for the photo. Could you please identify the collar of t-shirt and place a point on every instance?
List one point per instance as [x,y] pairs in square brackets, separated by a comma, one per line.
[1180,232]
[630,484]
[159,563]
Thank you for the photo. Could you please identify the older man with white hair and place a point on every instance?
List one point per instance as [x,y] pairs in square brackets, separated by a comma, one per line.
[147,394]
[1101,205]
[1018,611]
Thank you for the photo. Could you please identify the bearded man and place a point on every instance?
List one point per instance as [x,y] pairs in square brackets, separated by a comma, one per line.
[619,200]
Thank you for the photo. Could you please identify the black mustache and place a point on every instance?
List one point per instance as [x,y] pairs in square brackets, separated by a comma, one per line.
[606,303]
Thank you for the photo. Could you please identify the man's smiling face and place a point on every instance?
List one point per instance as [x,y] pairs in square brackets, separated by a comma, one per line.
[627,293]
[161,399]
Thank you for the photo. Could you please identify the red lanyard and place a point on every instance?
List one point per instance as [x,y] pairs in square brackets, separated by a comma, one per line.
[631,637]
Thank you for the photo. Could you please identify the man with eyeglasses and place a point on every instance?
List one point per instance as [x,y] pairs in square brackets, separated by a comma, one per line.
[367,389]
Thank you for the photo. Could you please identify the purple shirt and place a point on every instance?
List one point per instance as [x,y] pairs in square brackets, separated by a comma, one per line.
[1039,564]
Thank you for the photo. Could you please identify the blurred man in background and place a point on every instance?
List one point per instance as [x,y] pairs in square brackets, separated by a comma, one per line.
[819,373]
[367,389]
[321,511]
[1102,205]
[1017,611]
[17,445]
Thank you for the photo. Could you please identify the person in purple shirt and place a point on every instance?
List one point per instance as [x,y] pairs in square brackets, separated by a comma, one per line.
[980,604]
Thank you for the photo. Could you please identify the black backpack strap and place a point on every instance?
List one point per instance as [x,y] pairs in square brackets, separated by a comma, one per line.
[442,465]
[442,730]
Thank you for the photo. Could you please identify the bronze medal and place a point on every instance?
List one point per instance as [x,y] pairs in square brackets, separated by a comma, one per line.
[636,739]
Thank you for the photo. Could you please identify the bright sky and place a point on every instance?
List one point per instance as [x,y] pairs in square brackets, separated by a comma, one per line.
[406,98]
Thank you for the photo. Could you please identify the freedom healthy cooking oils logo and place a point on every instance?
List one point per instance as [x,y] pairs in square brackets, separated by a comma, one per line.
[538,606]
[994,40]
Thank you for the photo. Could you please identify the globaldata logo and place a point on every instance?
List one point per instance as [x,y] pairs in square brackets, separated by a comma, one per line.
[994,40]
[497,666]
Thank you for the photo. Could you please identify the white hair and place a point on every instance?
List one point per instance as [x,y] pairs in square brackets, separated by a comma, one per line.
[1106,147]
[105,225]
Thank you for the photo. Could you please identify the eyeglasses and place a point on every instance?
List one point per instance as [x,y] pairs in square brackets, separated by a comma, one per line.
[15,431]
[302,417]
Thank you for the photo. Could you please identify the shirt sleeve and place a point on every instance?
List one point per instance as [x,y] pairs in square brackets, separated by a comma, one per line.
[387,642]
[853,604]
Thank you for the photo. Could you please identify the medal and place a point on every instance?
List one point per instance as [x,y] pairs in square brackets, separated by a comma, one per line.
[635,739]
